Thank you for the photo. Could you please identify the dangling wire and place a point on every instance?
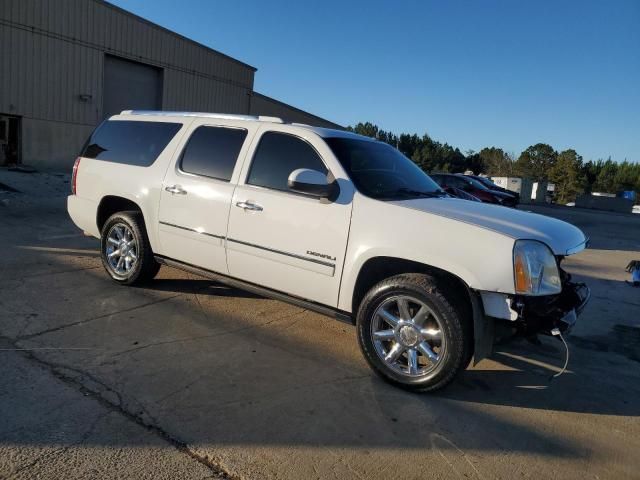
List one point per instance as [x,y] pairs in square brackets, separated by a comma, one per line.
[556,332]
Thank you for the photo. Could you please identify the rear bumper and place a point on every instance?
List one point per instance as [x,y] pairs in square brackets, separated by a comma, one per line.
[83,213]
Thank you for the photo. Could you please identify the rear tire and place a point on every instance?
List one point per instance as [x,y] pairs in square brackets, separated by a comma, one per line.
[410,333]
[125,249]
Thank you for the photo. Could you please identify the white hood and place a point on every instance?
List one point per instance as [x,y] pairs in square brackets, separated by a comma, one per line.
[562,237]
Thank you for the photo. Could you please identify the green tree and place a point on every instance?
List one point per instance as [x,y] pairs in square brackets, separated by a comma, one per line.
[627,176]
[539,162]
[474,162]
[606,179]
[536,161]
[496,162]
[367,129]
[590,171]
[567,175]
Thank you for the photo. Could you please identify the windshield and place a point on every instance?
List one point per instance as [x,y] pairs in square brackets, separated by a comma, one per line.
[380,171]
[476,183]
[485,181]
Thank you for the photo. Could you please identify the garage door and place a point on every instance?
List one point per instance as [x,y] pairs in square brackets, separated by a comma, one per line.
[130,86]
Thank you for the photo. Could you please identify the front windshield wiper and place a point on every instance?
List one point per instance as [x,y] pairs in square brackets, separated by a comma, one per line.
[418,193]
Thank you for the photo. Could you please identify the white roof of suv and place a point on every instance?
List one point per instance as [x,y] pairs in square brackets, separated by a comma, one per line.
[323,132]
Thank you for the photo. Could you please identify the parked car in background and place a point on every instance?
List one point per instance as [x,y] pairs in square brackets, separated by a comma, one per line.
[459,193]
[449,181]
[492,186]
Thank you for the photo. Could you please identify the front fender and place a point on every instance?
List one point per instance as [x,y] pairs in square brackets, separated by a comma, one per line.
[480,257]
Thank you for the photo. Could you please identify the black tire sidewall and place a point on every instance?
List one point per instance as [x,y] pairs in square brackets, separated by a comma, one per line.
[451,326]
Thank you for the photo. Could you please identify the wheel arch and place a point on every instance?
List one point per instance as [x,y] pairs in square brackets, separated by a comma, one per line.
[110,204]
[376,269]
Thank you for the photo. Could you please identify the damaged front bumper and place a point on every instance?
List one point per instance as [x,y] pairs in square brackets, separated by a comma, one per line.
[530,315]
[500,316]
[543,314]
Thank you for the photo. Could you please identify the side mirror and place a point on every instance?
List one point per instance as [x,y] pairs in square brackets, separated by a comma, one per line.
[313,183]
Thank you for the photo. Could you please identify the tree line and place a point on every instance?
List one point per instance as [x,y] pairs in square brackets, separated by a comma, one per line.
[567,169]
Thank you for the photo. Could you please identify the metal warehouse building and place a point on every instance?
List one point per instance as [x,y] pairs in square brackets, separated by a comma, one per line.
[68,64]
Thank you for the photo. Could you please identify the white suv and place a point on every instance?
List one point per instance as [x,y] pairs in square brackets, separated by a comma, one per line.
[338,223]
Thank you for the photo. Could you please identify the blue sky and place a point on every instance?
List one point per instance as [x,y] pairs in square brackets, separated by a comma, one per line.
[470,73]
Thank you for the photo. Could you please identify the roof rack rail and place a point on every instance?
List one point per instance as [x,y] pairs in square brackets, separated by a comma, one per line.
[223,116]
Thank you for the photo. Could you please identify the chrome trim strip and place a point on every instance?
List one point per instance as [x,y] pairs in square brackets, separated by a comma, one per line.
[272,250]
[300,257]
[221,237]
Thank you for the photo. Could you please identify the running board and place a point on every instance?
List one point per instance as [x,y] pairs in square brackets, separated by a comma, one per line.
[257,289]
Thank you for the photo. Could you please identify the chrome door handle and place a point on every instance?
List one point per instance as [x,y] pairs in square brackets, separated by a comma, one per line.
[249,206]
[176,189]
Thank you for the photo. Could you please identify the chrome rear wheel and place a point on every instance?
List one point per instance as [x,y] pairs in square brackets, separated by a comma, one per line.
[125,249]
[121,249]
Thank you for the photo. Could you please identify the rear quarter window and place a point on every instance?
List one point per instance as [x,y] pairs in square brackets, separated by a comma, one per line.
[130,142]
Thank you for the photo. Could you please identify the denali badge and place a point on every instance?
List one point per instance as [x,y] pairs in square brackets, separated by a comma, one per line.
[316,254]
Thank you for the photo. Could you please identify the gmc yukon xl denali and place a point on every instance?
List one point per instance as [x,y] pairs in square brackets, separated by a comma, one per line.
[326,219]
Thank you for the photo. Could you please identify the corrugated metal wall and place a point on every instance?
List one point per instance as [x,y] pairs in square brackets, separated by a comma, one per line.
[52,72]
[53,52]
[263,105]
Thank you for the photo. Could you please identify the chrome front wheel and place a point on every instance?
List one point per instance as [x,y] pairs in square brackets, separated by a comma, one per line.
[407,336]
[411,333]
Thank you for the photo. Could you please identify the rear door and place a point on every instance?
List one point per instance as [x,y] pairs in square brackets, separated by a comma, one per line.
[197,191]
[281,239]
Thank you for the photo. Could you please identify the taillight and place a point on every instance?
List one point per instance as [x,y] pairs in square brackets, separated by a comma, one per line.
[74,176]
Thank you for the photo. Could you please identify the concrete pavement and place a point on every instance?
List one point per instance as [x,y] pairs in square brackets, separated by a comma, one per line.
[192,379]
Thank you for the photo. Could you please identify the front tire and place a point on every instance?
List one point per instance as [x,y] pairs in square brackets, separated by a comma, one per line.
[125,250]
[411,334]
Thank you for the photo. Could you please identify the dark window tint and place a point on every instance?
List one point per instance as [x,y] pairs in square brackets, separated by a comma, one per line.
[213,151]
[380,171]
[472,182]
[456,182]
[131,142]
[450,181]
[277,156]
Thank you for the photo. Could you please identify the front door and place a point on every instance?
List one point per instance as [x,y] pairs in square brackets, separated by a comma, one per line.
[196,197]
[284,240]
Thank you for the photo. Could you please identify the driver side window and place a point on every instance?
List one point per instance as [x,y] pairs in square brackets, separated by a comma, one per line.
[278,154]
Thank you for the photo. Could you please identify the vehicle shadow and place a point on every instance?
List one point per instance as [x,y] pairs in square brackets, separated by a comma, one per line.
[518,374]
[522,375]
[196,285]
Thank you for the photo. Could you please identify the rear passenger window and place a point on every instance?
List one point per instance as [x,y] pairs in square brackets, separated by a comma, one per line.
[213,151]
[279,154]
[130,142]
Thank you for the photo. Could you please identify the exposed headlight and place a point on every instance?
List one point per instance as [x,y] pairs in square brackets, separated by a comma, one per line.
[535,269]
